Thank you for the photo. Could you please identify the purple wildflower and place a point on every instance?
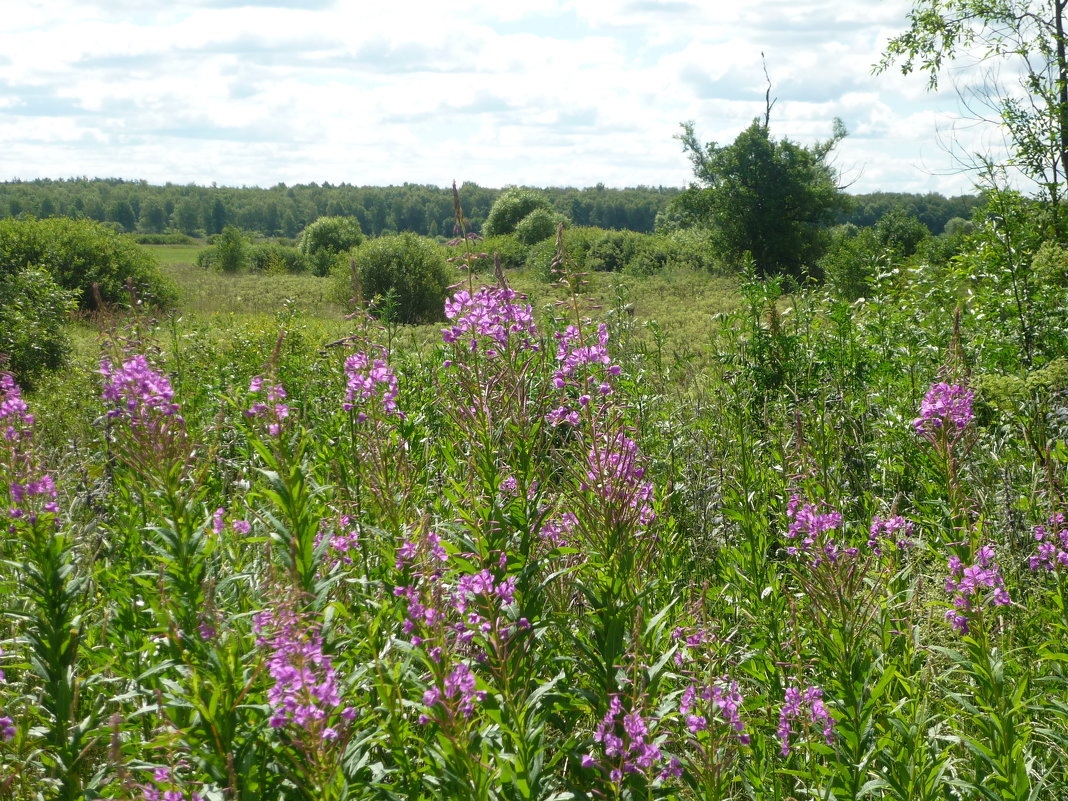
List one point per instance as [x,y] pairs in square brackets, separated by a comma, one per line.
[305,691]
[969,583]
[808,523]
[269,408]
[625,740]
[490,321]
[894,529]
[796,704]
[138,392]
[1052,539]
[368,380]
[946,408]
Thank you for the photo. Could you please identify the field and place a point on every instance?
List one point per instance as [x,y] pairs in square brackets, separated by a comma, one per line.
[670,537]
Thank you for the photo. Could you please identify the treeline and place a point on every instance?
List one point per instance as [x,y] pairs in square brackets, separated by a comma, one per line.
[137,206]
[932,209]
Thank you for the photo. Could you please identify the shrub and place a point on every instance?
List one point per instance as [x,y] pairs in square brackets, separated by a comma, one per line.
[510,208]
[272,257]
[577,244]
[540,224]
[330,234]
[407,273]
[513,253]
[33,309]
[81,253]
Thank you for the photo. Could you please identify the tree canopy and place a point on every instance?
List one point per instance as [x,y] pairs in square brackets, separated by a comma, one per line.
[770,198]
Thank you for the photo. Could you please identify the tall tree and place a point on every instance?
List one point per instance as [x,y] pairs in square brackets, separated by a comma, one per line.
[1033,111]
[771,198]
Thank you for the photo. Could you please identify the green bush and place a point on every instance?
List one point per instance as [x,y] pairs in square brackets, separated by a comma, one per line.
[406,275]
[33,309]
[510,208]
[513,253]
[537,226]
[577,244]
[229,252]
[330,234]
[692,248]
[81,253]
[272,257]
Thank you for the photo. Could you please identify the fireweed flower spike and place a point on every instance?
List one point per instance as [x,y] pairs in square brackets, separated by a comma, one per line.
[490,320]
[369,381]
[804,706]
[946,410]
[305,691]
[624,737]
[970,585]
[1052,539]
[138,392]
[269,407]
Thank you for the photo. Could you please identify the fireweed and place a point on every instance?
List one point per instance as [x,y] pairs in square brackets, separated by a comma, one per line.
[1051,554]
[267,408]
[626,744]
[804,708]
[808,526]
[305,694]
[973,586]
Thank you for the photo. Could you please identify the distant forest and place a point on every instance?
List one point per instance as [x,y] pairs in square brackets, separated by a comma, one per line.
[283,211]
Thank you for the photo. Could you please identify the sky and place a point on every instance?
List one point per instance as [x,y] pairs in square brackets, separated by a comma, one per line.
[498,92]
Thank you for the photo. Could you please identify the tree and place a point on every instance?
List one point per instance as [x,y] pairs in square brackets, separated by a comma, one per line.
[771,198]
[331,234]
[1028,34]
[510,208]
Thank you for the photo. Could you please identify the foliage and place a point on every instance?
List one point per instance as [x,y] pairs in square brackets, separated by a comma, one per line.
[229,251]
[331,234]
[857,256]
[403,276]
[772,199]
[537,226]
[511,208]
[33,311]
[273,257]
[1034,114]
[84,258]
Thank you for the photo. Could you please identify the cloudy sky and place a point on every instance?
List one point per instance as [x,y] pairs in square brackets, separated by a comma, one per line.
[539,92]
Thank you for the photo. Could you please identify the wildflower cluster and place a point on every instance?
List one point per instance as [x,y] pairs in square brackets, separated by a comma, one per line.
[804,706]
[7,725]
[1052,552]
[138,392]
[490,320]
[557,532]
[31,491]
[624,736]
[458,688]
[968,583]
[896,530]
[718,701]
[165,787]
[582,368]
[368,380]
[343,540]
[946,410]
[614,471]
[272,410]
[305,690]
[807,525]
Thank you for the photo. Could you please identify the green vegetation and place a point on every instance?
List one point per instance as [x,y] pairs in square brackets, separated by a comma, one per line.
[647,516]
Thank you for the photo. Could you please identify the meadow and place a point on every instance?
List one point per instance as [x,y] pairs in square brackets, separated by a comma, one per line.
[676,536]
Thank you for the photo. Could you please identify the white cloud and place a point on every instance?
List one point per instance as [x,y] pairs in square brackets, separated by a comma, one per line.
[528,91]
